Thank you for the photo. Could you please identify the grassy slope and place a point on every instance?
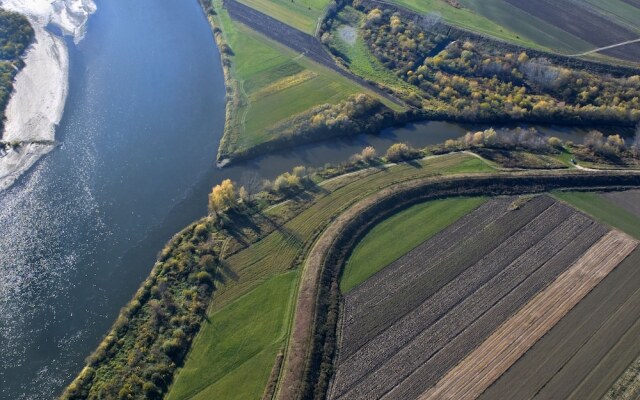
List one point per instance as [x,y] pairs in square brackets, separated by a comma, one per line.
[276,254]
[466,18]
[603,210]
[242,341]
[266,72]
[301,14]
[359,59]
[400,233]
[500,19]
[528,27]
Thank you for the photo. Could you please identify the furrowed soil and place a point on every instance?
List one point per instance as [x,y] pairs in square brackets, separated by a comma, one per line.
[506,345]
[404,328]
[591,328]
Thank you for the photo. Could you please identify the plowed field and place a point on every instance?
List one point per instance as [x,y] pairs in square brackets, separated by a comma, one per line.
[495,281]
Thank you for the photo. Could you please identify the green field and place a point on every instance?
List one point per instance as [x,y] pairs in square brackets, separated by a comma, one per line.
[241,340]
[300,14]
[531,29]
[468,19]
[603,210]
[504,21]
[274,83]
[399,234]
[237,304]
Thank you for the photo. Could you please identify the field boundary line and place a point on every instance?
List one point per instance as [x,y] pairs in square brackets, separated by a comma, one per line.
[605,48]
[325,252]
[470,378]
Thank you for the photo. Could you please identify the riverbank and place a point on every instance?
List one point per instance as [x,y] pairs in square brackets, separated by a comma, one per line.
[40,89]
[254,125]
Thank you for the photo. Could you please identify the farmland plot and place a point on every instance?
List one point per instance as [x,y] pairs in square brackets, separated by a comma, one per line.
[584,23]
[628,200]
[590,344]
[496,354]
[407,326]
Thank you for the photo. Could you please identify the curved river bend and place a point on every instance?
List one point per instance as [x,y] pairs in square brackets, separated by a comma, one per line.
[141,127]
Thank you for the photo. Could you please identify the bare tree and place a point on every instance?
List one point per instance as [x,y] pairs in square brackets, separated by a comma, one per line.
[252,182]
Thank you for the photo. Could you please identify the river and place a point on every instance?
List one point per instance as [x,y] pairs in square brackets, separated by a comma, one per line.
[141,126]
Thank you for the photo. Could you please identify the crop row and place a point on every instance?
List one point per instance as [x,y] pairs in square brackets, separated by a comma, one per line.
[526,241]
[588,329]
[404,270]
[514,266]
[383,308]
[508,343]
[429,373]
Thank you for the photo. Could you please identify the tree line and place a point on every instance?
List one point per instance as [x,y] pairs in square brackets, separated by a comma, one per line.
[463,80]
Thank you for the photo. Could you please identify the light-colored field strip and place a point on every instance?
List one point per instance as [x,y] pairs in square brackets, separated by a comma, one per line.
[507,344]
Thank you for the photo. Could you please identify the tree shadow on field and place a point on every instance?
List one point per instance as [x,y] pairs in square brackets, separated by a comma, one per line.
[288,235]
[415,163]
[224,273]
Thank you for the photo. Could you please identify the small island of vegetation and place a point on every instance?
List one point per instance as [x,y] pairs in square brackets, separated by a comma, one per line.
[16,34]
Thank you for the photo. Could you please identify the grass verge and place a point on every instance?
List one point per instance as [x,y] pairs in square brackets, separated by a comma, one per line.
[603,210]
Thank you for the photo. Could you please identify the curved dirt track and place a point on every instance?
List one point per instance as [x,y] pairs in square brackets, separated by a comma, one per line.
[345,230]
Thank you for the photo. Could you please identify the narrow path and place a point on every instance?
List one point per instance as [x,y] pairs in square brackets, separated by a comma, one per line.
[605,48]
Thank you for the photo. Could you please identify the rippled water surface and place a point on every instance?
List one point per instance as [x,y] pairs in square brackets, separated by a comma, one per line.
[80,231]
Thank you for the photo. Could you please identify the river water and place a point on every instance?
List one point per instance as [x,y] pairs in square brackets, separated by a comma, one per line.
[140,131]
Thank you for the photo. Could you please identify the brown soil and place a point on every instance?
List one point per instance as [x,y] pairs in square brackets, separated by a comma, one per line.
[505,346]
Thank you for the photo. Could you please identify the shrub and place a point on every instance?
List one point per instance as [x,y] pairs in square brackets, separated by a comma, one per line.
[401,152]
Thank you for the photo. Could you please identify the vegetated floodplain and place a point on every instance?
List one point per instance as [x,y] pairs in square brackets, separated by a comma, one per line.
[346,42]
[272,85]
[301,14]
[407,326]
[466,78]
[249,269]
[399,234]
[603,210]
[16,34]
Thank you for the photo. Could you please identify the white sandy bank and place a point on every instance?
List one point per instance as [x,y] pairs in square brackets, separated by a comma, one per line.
[40,89]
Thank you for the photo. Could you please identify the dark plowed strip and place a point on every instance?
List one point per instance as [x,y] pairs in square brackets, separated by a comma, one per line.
[516,269]
[389,342]
[581,22]
[450,355]
[385,308]
[587,360]
[529,374]
[401,272]
[635,3]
